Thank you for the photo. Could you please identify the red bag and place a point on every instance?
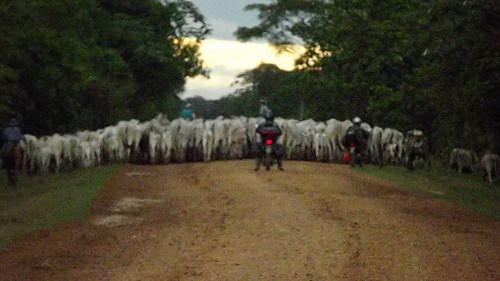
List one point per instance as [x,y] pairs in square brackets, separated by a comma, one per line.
[346,157]
[268,131]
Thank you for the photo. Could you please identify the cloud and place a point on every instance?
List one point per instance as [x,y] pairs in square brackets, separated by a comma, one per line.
[217,86]
[226,59]
[243,56]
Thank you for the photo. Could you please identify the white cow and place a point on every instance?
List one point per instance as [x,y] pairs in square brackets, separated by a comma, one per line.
[181,133]
[133,134]
[462,159]
[111,144]
[43,158]
[160,123]
[398,138]
[124,135]
[31,151]
[208,140]
[237,138]
[251,126]
[375,145]
[305,138]
[55,145]
[155,140]
[93,139]
[490,164]
[87,157]
[221,138]
[392,146]
[334,134]
[166,146]
[322,146]
[292,138]
[196,143]
[71,151]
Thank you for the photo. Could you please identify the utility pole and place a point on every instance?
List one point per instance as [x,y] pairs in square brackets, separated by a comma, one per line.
[301,117]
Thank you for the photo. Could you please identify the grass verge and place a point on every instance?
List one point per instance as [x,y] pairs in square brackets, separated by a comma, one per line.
[42,201]
[467,190]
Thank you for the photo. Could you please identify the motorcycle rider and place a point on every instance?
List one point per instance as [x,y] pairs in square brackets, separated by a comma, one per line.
[269,129]
[357,136]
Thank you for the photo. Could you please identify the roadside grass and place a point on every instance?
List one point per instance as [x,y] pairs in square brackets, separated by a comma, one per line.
[41,201]
[467,190]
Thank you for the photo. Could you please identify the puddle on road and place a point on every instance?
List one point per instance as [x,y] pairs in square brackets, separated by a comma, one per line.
[124,205]
[116,220]
[129,203]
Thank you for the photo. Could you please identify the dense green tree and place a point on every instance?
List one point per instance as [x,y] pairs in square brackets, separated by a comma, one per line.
[70,64]
[431,65]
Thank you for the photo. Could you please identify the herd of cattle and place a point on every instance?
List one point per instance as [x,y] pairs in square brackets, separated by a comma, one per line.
[161,141]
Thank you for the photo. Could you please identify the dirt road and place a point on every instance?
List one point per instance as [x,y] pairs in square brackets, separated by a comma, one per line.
[223,221]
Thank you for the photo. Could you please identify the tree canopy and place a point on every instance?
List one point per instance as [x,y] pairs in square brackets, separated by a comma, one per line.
[73,64]
[432,65]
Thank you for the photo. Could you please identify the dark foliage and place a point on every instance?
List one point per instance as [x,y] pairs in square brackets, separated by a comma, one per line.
[68,65]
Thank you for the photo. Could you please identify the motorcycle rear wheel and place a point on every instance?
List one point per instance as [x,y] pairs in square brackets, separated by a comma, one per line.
[268,161]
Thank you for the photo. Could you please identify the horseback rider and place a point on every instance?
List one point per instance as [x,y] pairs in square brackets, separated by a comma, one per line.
[11,135]
[187,112]
[11,150]
[356,137]
[270,130]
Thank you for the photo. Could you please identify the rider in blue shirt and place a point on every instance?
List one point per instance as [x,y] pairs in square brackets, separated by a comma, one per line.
[12,133]
[187,112]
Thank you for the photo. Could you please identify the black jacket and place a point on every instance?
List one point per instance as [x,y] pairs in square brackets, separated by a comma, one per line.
[268,130]
[355,134]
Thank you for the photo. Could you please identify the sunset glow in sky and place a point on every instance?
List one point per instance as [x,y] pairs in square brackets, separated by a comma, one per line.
[226,59]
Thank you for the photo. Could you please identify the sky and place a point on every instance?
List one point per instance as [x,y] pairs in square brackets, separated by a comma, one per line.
[223,55]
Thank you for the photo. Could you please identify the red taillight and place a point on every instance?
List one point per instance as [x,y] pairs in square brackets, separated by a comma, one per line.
[269,141]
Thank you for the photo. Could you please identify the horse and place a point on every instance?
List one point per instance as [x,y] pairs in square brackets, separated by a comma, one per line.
[11,160]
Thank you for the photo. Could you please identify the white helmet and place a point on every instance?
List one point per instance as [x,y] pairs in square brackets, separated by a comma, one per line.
[356,120]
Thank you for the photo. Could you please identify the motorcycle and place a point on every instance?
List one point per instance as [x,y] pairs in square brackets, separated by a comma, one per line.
[355,154]
[268,149]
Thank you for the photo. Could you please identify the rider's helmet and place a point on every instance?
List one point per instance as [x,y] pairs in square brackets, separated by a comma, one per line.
[262,101]
[188,105]
[356,120]
[269,116]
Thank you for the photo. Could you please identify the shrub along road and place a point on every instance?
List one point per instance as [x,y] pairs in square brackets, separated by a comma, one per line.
[223,221]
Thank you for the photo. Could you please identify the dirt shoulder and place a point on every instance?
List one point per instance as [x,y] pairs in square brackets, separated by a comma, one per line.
[223,221]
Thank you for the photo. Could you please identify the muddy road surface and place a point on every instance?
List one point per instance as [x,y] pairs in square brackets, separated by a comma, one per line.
[223,221]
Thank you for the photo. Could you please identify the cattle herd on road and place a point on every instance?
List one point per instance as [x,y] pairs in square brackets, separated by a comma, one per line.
[163,141]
